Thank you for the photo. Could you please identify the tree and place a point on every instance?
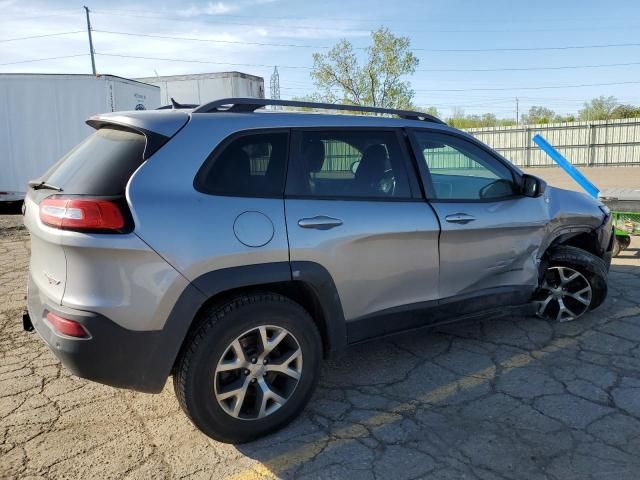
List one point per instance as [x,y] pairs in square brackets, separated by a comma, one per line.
[431,111]
[459,119]
[625,111]
[600,108]
[538,114]
[339,76]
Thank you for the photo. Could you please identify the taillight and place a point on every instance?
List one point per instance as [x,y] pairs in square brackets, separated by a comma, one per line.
[81,214]
[65,326]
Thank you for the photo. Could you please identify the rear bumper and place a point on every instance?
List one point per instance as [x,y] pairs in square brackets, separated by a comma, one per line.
[111,355]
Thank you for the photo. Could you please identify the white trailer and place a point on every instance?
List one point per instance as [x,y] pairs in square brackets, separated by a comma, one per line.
[43,116]
[205,87]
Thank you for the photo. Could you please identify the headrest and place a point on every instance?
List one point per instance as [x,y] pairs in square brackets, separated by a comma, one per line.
[313,155]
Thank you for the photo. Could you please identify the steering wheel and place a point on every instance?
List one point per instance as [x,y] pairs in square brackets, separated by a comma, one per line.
[497,189]
[388,183]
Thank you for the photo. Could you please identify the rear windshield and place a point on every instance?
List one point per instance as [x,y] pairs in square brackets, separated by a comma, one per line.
[101,165]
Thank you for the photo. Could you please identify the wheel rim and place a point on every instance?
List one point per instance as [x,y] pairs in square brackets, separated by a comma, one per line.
[258,372]
[564,295]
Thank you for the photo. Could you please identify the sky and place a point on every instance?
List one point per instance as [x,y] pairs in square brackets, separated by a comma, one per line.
[475,55]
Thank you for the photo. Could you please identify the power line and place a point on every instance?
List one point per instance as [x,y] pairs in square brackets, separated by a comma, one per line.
[527,49]
[545,87]
[211,18]
[421,21]
[449,50]
[39,36]
[19,17]
[200,61]
[499,69]
[44,59]
[193,39]
[526,69]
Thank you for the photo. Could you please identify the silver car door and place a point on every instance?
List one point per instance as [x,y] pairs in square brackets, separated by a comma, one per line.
[491,233]
[349,208]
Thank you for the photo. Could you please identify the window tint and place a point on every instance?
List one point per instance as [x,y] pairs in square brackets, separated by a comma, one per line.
[461,170]
[250,165]
[101,165]
[366,164]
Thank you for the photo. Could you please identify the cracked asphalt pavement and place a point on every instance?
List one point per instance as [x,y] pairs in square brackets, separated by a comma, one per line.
[506,398]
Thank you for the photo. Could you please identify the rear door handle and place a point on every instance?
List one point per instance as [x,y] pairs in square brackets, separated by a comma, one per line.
[320,222]
[459,218]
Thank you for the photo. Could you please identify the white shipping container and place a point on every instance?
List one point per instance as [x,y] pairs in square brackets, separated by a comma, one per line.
[43,116]
[206,87]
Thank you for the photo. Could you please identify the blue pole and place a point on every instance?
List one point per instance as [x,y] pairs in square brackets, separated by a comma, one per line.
[573,172]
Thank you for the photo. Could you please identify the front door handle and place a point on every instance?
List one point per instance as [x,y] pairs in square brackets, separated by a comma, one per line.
[321,222]
[459,218]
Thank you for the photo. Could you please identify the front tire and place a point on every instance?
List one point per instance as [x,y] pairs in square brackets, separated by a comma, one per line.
[574,282]
[249,367]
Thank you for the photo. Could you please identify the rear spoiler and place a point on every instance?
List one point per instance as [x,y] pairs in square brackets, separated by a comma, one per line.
[157,127]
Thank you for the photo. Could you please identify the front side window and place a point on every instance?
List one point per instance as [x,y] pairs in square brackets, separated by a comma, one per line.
[352,163]
[461,170]
[250,165]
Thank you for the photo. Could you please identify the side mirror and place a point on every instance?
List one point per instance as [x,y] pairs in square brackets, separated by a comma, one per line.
[532,186]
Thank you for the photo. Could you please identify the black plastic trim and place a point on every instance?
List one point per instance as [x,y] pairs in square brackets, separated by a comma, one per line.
[218,281]
[311,274]
[113,355]
[319,279]
[430,313]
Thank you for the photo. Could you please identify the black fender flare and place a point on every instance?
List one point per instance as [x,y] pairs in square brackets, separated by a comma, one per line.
[216,282]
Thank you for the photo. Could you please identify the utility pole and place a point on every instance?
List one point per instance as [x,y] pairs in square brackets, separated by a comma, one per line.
[93,60]
[517,112]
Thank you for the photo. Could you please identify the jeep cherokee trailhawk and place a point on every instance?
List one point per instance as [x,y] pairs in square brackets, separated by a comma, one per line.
[234,249]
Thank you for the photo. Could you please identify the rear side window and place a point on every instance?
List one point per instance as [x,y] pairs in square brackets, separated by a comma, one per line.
[250,165]
[366,164]
[101,165]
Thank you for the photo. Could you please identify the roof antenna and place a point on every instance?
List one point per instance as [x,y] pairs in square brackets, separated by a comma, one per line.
[176,105]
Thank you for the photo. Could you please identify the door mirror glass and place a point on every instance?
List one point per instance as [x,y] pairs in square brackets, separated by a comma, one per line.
[532,186]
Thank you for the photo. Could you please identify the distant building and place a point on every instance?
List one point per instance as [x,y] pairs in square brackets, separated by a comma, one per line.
[204,87]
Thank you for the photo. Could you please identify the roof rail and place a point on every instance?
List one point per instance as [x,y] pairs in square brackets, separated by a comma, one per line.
[239,105]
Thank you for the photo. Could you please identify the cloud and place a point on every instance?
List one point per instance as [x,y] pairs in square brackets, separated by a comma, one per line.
[211,8]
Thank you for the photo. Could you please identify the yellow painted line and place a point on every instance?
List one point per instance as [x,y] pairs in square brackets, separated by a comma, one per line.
[279,464]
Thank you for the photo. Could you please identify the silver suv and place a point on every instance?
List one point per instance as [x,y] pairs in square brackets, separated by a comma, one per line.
[234,249]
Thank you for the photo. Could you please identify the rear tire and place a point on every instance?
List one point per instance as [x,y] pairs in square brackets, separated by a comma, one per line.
[575,281]
[246,332]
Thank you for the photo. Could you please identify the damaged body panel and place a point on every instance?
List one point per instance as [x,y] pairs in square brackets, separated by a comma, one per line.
[508,240]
